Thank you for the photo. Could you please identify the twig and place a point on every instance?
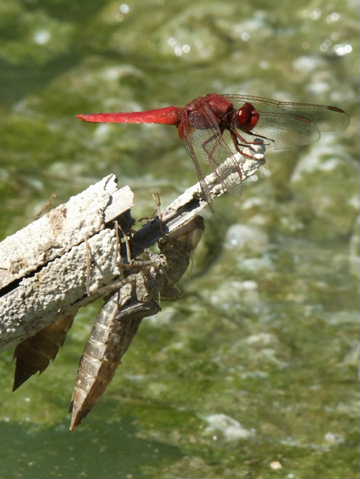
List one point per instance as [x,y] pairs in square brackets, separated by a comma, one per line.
[44,268]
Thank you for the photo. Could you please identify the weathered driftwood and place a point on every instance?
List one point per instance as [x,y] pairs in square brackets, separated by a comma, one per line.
[63,260]
[62,228]
[77,253]
[55,265]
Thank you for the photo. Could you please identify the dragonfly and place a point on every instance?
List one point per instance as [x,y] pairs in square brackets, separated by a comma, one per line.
[216,126]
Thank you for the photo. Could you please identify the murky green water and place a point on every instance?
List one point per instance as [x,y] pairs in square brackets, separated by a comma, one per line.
[253,373]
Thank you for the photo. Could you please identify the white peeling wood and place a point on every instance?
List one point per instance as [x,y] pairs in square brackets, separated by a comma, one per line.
[62,228]
[70,256]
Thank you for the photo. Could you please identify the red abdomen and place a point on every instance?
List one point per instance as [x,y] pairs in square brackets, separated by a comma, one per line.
[167,116]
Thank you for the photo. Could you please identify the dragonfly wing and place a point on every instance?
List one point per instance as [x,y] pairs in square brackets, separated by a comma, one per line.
[209,147]
[326,117]
[198,164]
[286,130]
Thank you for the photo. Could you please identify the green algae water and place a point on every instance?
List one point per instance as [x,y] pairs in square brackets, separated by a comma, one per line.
[253,372]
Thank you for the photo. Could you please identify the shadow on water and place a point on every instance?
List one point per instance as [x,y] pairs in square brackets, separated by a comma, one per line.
[30,78]
[95,451]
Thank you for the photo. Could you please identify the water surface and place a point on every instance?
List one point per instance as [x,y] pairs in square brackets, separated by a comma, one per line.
[253,373]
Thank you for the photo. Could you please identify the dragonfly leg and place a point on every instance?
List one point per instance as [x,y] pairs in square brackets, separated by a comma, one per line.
[123,251]
[252,133]
[240,141]
[210,152]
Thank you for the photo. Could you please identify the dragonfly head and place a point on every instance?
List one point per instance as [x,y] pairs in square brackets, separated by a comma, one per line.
[246,117]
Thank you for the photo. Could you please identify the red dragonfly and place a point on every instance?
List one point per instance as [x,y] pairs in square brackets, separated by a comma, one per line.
[215,127]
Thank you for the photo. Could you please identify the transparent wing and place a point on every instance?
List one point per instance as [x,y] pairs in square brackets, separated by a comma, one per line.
[209,147]
[286,130]
[292,124]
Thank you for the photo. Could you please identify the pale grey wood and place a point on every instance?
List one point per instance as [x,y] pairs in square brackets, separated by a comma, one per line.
[178,213]
[62,228]
[74,258]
